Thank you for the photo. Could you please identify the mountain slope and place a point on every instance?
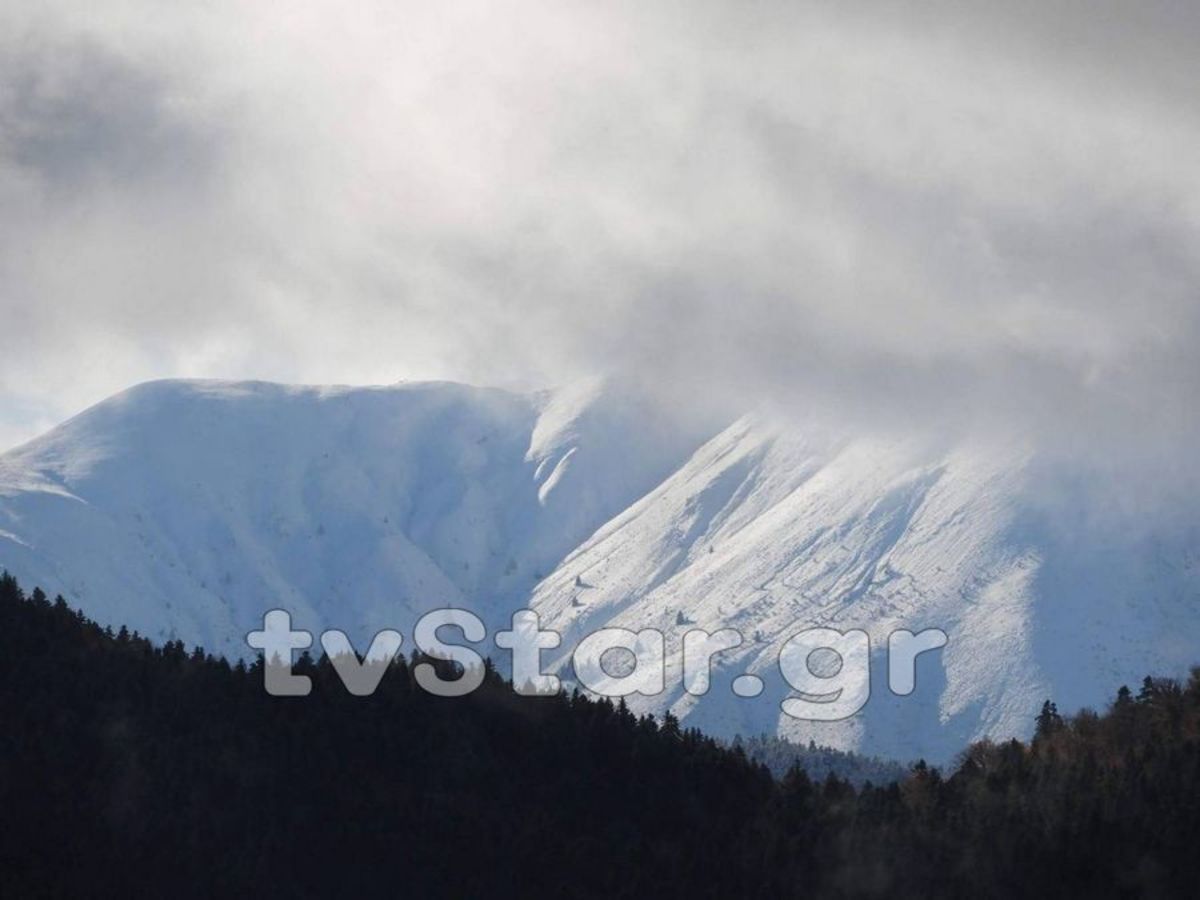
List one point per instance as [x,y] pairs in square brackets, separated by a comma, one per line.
[355,508]
[772,532]
[186,509]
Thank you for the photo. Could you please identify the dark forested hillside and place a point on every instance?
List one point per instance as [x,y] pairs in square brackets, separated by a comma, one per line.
[133,770]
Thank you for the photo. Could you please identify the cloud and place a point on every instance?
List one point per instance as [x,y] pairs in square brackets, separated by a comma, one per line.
[916,215]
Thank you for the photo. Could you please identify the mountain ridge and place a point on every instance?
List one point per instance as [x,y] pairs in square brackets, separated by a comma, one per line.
[361,508]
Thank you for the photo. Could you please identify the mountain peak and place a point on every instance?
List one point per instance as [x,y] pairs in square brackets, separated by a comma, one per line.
[188,508]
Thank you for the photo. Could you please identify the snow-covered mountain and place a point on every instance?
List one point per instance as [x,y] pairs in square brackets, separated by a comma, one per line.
[186,509]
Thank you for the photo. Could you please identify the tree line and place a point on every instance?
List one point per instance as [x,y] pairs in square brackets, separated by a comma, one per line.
[129,768]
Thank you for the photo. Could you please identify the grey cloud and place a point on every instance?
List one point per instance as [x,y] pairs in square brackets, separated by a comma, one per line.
[951,216]
[72,112]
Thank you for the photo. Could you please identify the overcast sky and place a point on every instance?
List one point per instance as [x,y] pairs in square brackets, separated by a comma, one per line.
[926,214]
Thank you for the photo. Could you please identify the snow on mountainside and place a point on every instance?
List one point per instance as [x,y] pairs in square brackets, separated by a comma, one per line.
[188,508]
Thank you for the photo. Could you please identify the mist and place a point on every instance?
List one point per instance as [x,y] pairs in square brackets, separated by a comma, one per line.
[942,217]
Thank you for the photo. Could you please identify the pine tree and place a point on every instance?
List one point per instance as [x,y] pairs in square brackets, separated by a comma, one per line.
[1049,722]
